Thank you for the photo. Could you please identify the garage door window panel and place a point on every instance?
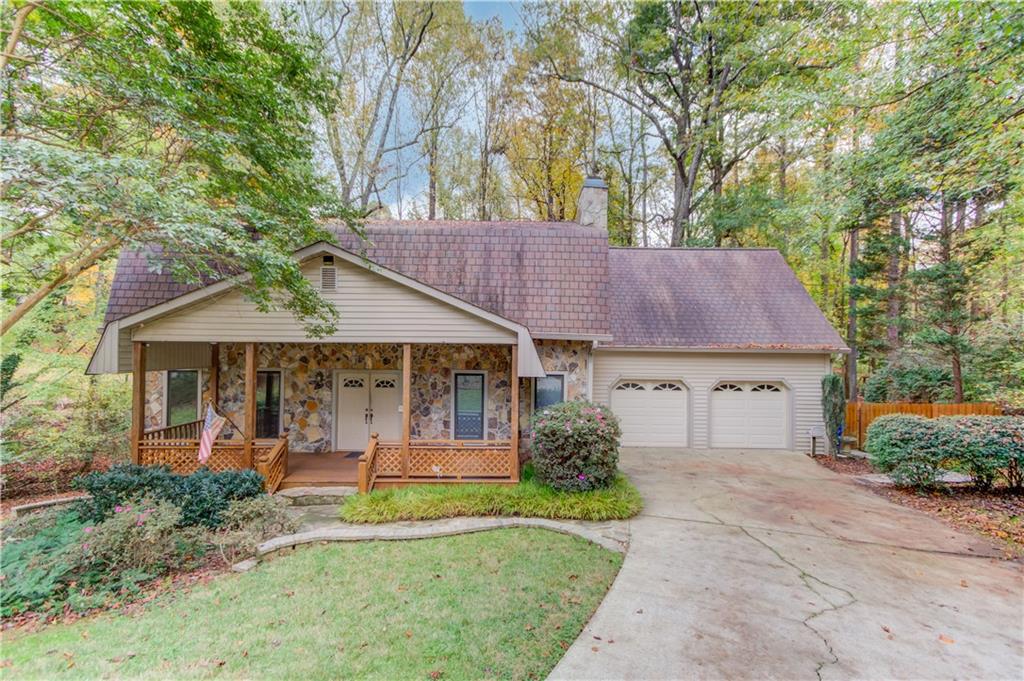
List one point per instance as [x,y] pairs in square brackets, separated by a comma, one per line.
[749,415]
[652,412]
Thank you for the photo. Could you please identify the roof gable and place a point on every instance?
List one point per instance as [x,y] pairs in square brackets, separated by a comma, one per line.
[713,298]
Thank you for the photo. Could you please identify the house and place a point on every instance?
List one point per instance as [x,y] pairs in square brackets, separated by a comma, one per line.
[452,333]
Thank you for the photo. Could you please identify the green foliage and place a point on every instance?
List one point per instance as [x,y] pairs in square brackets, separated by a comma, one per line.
[529,498]
[202,138]
[914,450]
[833,408]
[911,449]
[202,496]
[36,564]
[987,448]
[575,445]
[8,366]
[142,539]
[909,382]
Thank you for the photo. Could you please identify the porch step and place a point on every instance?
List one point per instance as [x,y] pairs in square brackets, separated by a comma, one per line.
[315,496]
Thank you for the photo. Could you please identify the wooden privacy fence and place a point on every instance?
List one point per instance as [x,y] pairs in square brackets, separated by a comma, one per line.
[859,415]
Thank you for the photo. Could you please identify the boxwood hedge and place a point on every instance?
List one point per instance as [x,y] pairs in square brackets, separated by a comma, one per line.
[914,450]
[201,496]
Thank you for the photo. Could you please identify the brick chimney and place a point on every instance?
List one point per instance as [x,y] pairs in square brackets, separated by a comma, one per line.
[592,205]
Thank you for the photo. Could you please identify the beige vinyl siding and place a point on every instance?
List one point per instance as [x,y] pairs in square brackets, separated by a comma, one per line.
[372,308]
[163,356]
[800,373]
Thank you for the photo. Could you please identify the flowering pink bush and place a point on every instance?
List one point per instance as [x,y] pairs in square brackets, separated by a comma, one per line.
[575,445]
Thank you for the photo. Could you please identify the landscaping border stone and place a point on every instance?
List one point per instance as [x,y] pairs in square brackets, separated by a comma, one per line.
[425,530]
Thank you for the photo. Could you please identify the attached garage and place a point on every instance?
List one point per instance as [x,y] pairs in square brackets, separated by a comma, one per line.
[749,415]
[652,412]
[774,401]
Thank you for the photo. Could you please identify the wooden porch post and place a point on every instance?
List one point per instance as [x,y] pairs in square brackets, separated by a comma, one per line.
[138,398]
[214,375]
[250,401]
[406,405]
[515,414]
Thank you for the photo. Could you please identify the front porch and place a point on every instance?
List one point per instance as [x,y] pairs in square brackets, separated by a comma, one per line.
[304,407]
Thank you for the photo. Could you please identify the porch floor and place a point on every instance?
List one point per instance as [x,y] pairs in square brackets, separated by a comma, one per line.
[324,469]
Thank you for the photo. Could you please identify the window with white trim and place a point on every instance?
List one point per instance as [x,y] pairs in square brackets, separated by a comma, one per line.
[669,387]
[728,388]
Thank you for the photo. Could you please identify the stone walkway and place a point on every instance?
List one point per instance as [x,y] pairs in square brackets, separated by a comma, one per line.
[319,523]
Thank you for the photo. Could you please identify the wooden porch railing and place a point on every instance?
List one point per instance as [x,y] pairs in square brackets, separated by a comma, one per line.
[859,415]
[270,456]
[186,431]
[368,466]
[271,462]
[428,461]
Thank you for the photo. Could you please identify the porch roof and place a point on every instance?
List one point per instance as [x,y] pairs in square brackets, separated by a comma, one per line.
[377,305]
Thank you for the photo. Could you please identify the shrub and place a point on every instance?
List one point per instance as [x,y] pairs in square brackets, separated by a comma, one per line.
[142,538]
[913,449]
[248,522]
[987,448]
[575,446]
[833,408]
[908,448]
[201,496]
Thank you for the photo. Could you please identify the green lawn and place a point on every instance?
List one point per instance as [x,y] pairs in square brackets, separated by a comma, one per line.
[527,499]
[500,604]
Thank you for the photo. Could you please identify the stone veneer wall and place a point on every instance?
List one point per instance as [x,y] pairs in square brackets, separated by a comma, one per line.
[308,379]
[571,357]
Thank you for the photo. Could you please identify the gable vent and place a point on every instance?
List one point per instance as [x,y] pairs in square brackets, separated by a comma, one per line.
[328,274]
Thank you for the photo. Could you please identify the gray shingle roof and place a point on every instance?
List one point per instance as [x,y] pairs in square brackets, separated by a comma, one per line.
[712,298]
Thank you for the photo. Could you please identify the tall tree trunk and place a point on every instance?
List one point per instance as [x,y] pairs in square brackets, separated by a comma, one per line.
[432,176]
[951,216]
[893,282]
[783,167]
[852,390]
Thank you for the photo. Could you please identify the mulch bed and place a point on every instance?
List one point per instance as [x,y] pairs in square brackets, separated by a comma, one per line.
[846,465]
[996,514]
[37,480]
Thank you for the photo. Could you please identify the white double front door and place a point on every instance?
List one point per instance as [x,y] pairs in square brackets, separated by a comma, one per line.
[366,402]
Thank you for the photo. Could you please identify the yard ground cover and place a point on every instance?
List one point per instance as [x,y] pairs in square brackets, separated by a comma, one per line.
[527,499]
[502,604]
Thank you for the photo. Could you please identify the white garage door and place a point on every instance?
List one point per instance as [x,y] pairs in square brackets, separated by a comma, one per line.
[652,412]
[749,415]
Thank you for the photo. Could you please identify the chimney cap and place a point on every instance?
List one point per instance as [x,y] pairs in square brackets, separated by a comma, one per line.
[595,182]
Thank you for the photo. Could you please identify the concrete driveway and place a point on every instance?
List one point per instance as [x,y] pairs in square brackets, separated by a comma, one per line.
[762,564]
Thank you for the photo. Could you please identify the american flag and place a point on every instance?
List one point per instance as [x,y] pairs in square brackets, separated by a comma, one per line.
[211,429]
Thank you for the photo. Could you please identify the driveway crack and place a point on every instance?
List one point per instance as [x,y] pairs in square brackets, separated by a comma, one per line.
[808,580]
